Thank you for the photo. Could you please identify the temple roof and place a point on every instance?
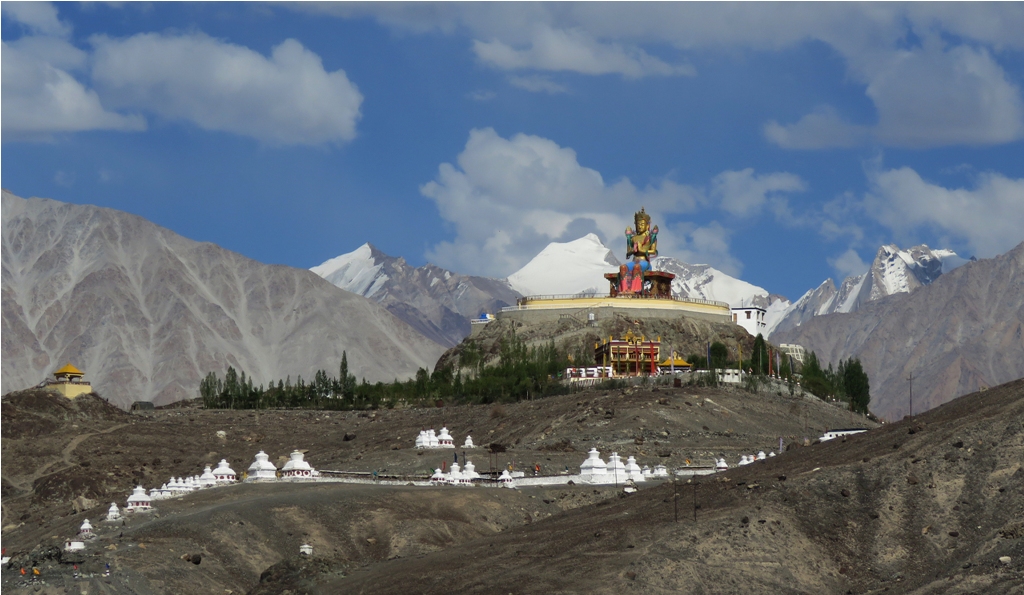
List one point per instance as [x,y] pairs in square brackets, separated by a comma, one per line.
[678,362]
[69,370]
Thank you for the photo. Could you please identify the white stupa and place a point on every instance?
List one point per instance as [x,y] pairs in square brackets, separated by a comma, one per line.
[445,440]
[744,460]
[721,465]
[455,475]
[438,475]
[139,501]
[85,531]
[207,479]
[113,514]
[771,453]
[306,549]
[660,471]
[761,456]
[594,468]
[633,471]
[297,468]
[262,469]
[421,439]
[224,473]
[431,439]
[616,469]
[73,546]
[647,471]
[505,479]
[469,442]
[470,471]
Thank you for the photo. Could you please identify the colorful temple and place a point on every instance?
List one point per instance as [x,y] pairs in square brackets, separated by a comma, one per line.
[68,382]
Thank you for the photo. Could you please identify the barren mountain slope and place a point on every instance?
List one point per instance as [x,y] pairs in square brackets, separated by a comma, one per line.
[147,313]
[960,333]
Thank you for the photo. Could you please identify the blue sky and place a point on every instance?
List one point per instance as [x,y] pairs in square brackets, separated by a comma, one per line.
[780,143]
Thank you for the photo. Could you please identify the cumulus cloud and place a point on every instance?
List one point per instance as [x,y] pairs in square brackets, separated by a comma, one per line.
[987,218]
[744,193]
[286,98]
[537,84]
[848,264]
[575,50]
[508,198]
[37,17]
[821,128]
[708,244]
[42,98]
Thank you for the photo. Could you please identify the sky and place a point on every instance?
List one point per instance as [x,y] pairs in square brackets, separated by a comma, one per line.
[781,143]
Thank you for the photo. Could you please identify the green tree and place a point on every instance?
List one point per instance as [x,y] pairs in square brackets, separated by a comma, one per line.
[759,359]
[858,389]
[719,355]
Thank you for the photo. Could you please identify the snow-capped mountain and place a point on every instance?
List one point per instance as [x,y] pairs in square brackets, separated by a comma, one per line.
[706,282]
[893,271]
[571,268]
[436,302]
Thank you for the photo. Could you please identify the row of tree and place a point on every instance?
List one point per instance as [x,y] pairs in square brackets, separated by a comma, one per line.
[521,373]
[848,382]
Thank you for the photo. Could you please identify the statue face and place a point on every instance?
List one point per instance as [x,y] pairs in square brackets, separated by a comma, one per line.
[641,226]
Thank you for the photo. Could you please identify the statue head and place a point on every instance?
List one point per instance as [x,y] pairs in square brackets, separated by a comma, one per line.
[642,221]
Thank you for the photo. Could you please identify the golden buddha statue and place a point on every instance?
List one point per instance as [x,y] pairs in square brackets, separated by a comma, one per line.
[641,245]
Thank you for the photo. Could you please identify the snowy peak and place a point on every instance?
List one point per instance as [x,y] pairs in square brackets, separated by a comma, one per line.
[892,272]
[436,302]
[708,283]
[574,268]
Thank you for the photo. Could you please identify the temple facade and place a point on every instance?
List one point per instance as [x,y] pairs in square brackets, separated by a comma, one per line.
[632,355]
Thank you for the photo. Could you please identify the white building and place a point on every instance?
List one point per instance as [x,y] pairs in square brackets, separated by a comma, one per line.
[797,352]
[113,514]
[262,469]
[306,549]
[751,318]
[833,434]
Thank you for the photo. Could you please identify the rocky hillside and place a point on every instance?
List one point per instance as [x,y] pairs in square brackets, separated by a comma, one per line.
[147,313]
[436,302]
[961,333]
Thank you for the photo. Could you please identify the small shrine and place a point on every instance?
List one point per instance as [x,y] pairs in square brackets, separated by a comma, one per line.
[306,549]
[207,479]
[637,278]
[139,501]
[262,468]
[633,471]
[632,355]
[113,513]
[85,531]
[297,468]
[224,473]
[444,439]
[468,442]
[68,382]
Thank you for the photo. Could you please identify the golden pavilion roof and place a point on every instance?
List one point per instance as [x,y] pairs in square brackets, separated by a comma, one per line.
[69,370]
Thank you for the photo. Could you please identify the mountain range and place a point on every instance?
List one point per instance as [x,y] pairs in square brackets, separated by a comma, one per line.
[146,313]
[959,333]
[436,302]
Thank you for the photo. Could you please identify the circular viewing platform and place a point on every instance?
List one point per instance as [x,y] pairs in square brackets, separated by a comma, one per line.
[555,306]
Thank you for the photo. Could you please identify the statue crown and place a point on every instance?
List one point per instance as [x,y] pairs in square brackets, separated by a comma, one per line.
[641,215]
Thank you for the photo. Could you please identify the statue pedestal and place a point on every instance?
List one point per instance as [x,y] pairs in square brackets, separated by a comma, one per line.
[661,285]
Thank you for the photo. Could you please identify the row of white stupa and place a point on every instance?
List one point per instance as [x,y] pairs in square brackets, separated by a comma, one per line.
[442,439]
[296,469]
[593,470]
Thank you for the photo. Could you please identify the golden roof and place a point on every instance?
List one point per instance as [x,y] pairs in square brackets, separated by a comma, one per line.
[678,362]
[69,370]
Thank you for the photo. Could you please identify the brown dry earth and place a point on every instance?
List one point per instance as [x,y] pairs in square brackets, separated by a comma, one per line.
[836,523]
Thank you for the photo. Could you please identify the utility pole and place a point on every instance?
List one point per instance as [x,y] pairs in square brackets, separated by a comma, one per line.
[695,501]
[675,497]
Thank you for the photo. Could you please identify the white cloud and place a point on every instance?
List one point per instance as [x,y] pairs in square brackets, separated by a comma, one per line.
[537,84]
[931,95]
[708,244]
[821,128]
[508,198]
[848,264]
[744,193]
[288,98]
[38,17]
[576,51]
[987,218]
[481,95]
[41,98]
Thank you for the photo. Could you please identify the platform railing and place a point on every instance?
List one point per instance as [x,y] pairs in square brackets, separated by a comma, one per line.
[524,303]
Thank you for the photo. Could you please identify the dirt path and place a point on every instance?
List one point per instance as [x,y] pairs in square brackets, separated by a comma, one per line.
[25,485]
